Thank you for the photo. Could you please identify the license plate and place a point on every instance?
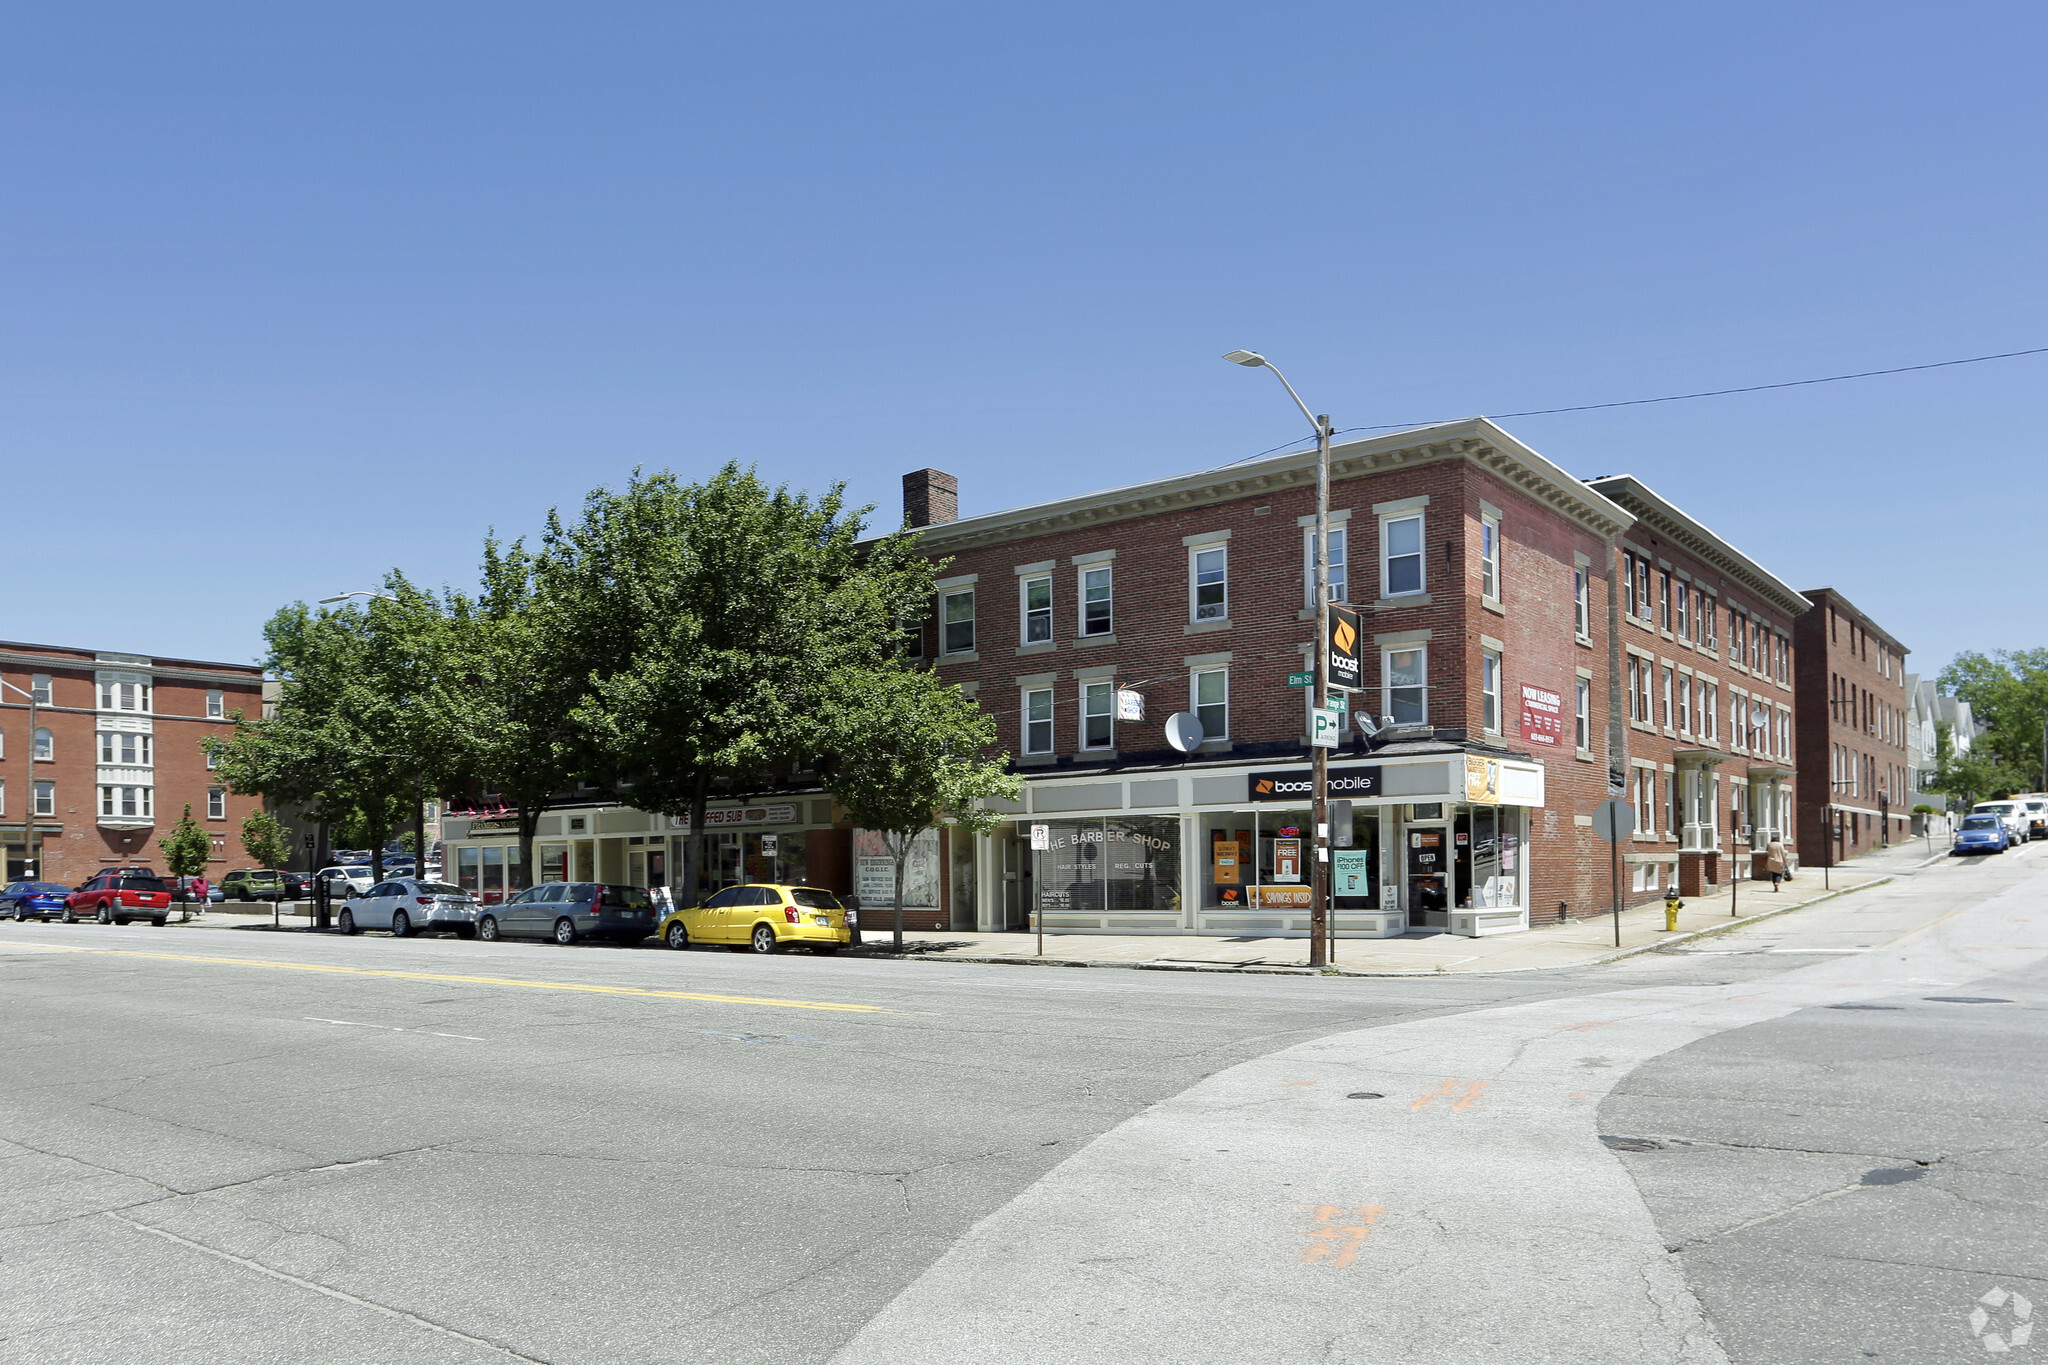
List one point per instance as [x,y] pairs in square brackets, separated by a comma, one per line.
[822,919]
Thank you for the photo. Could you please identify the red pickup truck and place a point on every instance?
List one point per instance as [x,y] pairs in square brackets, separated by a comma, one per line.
[120,894]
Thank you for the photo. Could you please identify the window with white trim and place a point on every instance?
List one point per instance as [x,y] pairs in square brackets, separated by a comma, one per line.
[1405,689]
[1035,596]
[212,759]
[1489,691]
[1685,704]
[1340,555]
[1582,717]
[1209,692]
[216,704]
[124,746]
[1712,704]
[1400,556]
[1646,801]
[45,747]
[46,798]
[1710,622]
[126,802]
[1582,603]
[1037,711]
[1097,618]
[1098,715]
[956,622]
[1489,558]
[216,803]
[1667,698]
[1684,591]
[39,688]
[1208,582]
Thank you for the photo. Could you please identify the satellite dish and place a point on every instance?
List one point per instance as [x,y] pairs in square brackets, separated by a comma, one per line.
[1367,726]
[1184,731]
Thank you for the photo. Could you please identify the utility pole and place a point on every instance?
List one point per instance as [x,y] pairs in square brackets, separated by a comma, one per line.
[1322,924]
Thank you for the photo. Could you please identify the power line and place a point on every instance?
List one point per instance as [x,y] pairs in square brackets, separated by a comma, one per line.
[1674,397]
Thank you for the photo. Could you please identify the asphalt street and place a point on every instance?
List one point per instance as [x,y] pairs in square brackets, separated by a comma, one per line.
[250,1146]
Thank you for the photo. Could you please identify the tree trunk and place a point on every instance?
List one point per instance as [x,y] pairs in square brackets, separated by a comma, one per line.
[419,830]
[700,800]
[902,852]
[378,836]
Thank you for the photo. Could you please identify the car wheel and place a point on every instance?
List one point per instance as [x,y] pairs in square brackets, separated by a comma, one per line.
[487,928]
[105,916]
[242,894]
[825,949]
[764,939]
[160,923]
[400,924]
[348,922]
[565,931]
[20,913]
[68,916]
[678,937]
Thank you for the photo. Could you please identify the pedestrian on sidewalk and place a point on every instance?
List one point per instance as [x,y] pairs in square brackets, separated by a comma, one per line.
[852,904]
[1774,861]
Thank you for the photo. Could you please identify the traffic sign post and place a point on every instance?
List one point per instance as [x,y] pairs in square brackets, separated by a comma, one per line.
[1328,728]
[1615,821]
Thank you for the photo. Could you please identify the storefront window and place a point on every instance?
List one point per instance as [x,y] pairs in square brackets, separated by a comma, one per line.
[466,863]
[554,862]
[1097,866]
[1263,861]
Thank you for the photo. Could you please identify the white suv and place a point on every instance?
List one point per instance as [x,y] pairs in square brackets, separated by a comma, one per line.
[2034,810]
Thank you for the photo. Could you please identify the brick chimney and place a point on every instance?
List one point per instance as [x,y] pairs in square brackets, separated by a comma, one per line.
[930,496]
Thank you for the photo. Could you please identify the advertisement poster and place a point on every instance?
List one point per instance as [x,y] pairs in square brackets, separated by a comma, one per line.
[1283,897]
[1227,871]
[1350,872]
[1287,860]
[1542,715]
[1482,779]
[875,871]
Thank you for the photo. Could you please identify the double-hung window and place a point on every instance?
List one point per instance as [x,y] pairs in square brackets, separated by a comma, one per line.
[1489,691]
[216,704]
[1211,697]
[1036,594]
[1096,616]
[1710,713]
[1685,704]
[1038,720]
[1340,557]
[1684,591]
[956,620]
[1635,688]
[1582,603]
[1582,717]
[1406,672]
[1664,599]
[1489,558]
[1667,698]
[44,747]
[1710,622]
[1098,715]
[46,798]
[39,688]
[216,803]
[1209,574]
[1400,556]
[1646,801]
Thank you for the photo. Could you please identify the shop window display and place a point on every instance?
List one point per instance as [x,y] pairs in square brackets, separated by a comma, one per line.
[1102,866]
[1261,861]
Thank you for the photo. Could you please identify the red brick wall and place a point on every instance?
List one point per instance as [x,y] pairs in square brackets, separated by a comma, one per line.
[1836,647]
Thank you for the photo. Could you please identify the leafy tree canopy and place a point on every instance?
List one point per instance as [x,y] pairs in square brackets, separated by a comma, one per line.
[2008,694]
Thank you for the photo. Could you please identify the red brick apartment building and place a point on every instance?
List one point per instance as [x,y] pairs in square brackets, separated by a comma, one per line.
[116,755]
[1854,673]
[1531,633]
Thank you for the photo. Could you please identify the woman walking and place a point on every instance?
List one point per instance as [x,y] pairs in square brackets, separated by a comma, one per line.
[1774,860]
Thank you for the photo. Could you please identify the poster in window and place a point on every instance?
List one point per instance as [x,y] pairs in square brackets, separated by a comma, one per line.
[1287,860]
[1224,854]
[1350,872]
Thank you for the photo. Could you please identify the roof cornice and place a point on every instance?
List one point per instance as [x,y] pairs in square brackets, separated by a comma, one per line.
[1475,440]
[1834,595]
[1655,513]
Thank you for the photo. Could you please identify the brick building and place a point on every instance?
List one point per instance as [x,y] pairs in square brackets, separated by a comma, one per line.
[117,755]
[1484,574]
[1852,672]
[1707,668]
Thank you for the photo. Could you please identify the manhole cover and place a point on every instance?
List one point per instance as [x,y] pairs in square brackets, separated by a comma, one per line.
[1365,1095]
[1968,999]
[1632,1144]
[1892,1175]
[1865,1007]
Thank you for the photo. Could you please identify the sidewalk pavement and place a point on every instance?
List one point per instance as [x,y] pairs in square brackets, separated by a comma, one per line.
[1426,952]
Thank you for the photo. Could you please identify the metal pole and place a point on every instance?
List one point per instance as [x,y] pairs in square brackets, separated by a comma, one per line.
[1614,847]
[35,840]
[1321,922]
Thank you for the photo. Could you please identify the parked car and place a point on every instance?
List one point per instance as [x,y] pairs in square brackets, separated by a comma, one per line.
[2009,813]
[344,882]
[1982,832]
[407,906]
[119,895]
[254,884]
[764,918]
[298,886]
[568,911]
[2034,813]
[34,900]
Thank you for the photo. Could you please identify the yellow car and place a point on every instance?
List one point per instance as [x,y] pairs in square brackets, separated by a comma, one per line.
[763,918]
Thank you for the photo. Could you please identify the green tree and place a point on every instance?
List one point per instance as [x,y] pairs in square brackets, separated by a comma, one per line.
[908,755]
[187,848]
[269,843]
[2008,695]
[709,624]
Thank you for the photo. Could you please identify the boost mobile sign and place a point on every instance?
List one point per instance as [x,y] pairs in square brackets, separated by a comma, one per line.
[1347,649]
[1298,784]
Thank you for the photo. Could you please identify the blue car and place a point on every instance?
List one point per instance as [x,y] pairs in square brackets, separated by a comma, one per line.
[1982,834]
[33,900]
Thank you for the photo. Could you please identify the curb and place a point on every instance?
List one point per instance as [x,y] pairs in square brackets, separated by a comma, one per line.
[1695,934]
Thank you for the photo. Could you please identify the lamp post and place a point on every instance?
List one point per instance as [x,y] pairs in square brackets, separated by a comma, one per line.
[29,815]
[1321,926]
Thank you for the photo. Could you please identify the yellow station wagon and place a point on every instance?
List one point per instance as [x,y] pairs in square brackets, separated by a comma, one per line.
[763,918]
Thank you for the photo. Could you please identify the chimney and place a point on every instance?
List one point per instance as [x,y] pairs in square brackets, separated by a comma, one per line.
[930,496]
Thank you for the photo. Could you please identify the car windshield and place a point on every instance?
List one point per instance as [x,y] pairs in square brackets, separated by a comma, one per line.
[813,900]
[1981,822]
[440,889]
[627,898]
[1996,807]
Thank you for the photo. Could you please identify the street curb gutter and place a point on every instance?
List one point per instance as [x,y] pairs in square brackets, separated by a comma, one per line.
[1219,970]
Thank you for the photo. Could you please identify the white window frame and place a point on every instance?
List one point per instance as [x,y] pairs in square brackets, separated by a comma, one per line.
[1489,691]
[1340,563]
[1685,704]
[216,803]
[1025,611]
[42,745]
[1420,553]
[946,598]
[216,704]
[1582,603]
[1684,591]
[1106,688]
[1028,722]
[1212,611]
[39,688]
[1087,622]
[1200,707]
[1387,688]
[1489,558]
[1664,721]
[1582,717]
[43,798]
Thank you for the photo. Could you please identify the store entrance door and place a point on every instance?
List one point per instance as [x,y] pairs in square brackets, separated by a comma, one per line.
[1016,902]
[1428,872]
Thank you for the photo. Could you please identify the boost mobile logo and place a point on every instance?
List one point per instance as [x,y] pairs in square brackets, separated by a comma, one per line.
[1265,787]
[1345,638]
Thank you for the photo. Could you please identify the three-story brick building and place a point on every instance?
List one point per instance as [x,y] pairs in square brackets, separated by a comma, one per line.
[1852,676]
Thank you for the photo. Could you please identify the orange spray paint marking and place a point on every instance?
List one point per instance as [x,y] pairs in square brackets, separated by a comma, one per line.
[1301,1082]
[1338,1243]
[1463,1093]
[1587,1027]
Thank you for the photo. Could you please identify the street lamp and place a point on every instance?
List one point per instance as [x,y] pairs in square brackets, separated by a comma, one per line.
[359,592]
[1320,919]
[35,843]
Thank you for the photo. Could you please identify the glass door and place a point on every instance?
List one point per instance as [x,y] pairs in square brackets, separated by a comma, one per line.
[1427,863]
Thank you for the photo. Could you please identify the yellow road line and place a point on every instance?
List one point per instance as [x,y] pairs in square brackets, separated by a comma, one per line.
[474,980]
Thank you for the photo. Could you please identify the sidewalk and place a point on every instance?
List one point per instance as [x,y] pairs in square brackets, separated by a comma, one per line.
[1429,952]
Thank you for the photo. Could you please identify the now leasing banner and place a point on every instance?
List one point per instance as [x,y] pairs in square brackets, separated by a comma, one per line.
[1542,715]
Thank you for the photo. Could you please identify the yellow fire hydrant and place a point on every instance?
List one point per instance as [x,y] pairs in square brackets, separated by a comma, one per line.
[1671,908]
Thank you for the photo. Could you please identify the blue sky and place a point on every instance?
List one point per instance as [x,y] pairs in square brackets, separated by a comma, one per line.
[293,294]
